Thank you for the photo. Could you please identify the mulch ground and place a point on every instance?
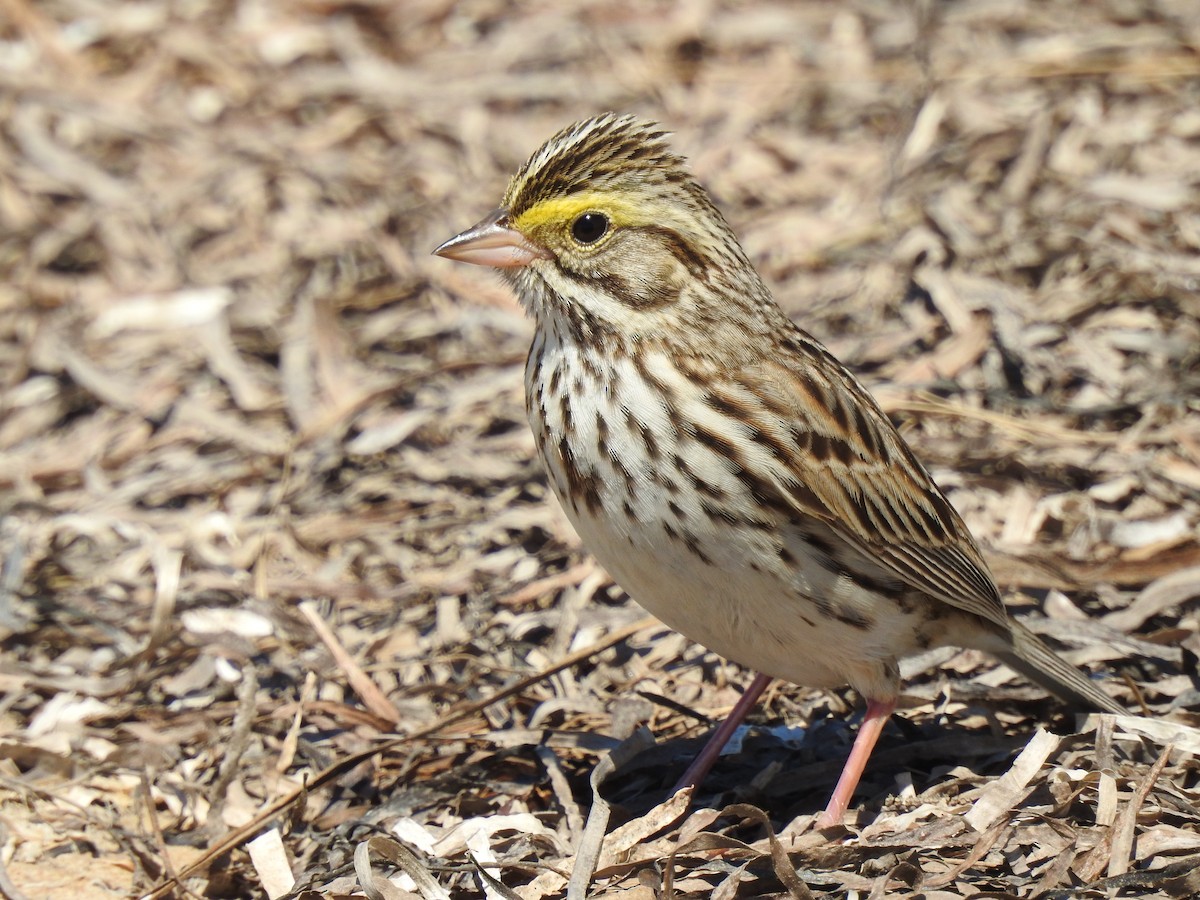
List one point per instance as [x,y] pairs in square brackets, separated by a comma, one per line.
[284,601]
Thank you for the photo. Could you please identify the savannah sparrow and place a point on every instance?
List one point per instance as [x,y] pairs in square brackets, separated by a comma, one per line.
[725,468]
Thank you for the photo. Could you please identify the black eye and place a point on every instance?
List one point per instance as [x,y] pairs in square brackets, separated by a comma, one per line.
[589,227]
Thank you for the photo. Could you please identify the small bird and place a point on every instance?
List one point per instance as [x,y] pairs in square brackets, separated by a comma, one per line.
[729,473]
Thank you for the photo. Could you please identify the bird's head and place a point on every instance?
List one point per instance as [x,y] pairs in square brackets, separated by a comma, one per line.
[605,225]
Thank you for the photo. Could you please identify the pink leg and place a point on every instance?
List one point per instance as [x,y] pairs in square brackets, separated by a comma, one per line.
[707,756]
[878,712]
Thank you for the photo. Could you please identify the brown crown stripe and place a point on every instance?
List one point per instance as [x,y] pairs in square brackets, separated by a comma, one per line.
[590,155]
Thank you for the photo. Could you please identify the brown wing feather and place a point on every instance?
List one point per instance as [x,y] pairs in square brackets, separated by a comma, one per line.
[856,473]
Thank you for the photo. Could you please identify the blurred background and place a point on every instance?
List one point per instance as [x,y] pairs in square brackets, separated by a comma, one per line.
[238,396]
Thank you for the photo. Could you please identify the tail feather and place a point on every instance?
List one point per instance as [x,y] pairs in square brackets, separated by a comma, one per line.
[1044,667]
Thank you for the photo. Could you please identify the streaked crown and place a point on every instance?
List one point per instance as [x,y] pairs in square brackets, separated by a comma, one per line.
[608,153]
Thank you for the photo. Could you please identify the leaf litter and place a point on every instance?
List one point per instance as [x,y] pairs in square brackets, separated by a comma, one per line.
[286,606]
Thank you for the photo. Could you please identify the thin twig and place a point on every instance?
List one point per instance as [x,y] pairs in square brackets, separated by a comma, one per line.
[239,836]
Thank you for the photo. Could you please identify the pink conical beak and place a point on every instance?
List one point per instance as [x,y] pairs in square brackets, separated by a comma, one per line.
[493,243]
